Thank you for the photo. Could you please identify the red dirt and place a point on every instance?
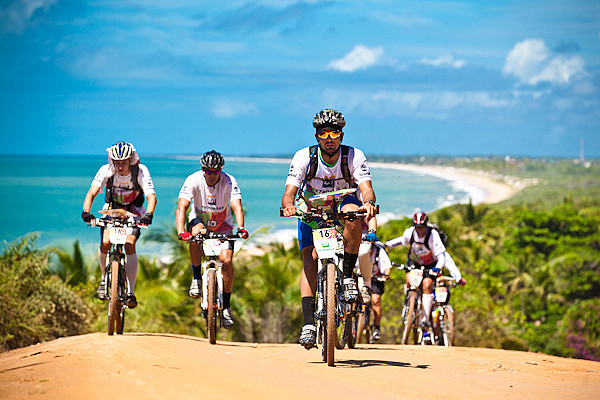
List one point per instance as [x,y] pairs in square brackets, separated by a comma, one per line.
[164,366]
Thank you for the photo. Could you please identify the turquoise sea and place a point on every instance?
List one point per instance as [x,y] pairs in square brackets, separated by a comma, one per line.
[45,194]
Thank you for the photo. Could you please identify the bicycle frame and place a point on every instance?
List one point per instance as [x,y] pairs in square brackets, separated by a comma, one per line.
[120,224]
[212,280]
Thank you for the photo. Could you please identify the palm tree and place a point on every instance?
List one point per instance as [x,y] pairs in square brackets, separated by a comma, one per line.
[72,267]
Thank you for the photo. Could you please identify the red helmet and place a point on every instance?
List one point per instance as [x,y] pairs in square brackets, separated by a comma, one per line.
[420,218]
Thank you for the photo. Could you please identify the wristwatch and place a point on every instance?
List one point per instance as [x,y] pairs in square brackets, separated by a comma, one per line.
[371,202]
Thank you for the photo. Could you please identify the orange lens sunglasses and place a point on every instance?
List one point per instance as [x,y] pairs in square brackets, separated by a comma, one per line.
[331,134]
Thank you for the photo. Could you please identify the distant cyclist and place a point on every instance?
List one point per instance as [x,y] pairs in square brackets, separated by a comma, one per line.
[381,266]
[214,194]
[319,169]
[425,249]
[126,182]
[364,257]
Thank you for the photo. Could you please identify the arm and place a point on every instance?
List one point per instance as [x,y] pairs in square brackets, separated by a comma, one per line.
[89,201]
[238,211]
[182,206]
[368,194]
[288,200]
[151,203]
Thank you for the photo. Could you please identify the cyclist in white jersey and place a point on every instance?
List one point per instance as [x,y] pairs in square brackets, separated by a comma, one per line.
[334,160]
[122,192]
[214,195]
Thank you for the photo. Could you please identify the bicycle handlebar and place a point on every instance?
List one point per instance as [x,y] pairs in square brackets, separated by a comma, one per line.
[329,215]
[201,237]
[131,222]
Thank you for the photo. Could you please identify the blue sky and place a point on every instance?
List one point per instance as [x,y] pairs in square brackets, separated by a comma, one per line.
[246,77]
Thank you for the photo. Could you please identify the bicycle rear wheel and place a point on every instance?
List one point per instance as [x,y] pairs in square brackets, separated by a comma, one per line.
[211,312]
[330,298]
[114,307]
[410,316]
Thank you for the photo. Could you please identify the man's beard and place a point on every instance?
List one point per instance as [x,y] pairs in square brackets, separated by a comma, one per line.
[329,152]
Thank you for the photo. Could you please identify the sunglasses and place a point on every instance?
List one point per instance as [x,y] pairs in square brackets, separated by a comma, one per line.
[331,134]
[212,172]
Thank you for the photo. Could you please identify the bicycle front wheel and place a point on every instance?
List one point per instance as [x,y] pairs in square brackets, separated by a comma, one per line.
[211,312]
[330,298]
[410,316]
[114,307]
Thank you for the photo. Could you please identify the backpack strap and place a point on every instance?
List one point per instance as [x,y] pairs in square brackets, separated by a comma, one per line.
[135,170]
[314,164]
[427,236]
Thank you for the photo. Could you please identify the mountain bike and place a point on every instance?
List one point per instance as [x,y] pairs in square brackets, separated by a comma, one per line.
[443,313]
[331,314]
[212,280]
[120,223]
[412,312]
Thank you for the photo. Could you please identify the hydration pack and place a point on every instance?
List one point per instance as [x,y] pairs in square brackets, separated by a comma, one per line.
[314,165]
[430,227]
[139,200]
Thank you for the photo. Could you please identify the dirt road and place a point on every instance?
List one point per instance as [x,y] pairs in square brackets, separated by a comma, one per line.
[163,366]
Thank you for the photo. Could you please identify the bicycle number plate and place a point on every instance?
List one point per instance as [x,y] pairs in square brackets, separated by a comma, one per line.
[118,235]
[211,247]
[325,241]
[415,277]
[441,294]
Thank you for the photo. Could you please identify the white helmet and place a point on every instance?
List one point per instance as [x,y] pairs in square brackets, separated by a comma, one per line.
[121,151]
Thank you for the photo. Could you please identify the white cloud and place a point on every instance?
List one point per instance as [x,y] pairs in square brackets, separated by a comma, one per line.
[227,109]
[15,17]
[427,104]
[532,62]
[360,57]
[446,60]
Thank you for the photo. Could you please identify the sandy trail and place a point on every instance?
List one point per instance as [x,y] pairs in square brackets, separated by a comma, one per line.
[164,366]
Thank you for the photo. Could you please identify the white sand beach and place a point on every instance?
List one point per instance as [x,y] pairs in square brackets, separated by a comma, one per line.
[485,187]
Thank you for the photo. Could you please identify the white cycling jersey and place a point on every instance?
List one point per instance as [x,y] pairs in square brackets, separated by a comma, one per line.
[123,190]
[327,178]
[211,204]
[419,253]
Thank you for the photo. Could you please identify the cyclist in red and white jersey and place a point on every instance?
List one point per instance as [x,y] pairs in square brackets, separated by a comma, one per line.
[126,182]
[214,194]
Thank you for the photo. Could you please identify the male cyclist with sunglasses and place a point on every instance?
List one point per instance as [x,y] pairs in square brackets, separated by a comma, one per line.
[214,194]
[335,167]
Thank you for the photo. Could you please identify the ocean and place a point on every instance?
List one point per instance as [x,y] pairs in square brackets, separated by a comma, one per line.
[45,194]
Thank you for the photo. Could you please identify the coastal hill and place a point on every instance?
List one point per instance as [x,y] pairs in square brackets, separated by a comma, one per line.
[165,366]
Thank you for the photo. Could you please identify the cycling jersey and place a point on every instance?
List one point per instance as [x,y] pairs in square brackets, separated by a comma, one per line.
[419,253]
[124,192]
[328,177]
[211,204]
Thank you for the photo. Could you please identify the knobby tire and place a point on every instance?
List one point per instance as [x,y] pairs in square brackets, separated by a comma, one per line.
[448,327]
[410,316]
[211,312]
[330,299]
[114,309]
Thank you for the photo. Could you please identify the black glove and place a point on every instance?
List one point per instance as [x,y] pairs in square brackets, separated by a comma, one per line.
[147,219]
[87,217]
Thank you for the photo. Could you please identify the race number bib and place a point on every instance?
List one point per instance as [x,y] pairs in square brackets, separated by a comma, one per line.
[118,235]
[415,277]
[441,294]
[325,241]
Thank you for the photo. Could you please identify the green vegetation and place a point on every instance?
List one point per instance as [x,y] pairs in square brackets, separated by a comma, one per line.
[532,264]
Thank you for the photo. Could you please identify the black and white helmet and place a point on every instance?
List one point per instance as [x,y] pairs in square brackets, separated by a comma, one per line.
[420,219]
[121,151]
[212,160]
[329,118]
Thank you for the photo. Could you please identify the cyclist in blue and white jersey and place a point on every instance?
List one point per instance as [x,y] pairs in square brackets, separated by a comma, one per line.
[335,167]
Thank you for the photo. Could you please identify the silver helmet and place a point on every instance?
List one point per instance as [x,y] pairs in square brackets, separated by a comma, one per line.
[120,151]
[213,160]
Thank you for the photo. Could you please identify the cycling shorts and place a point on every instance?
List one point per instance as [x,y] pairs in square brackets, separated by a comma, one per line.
[377,286]
[228,244]
[305,231]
